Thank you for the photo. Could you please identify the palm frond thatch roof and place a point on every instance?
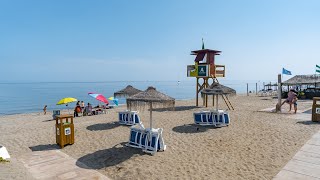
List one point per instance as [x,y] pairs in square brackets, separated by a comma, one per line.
[302,80]
[151,95]
[128,91]
[216,88]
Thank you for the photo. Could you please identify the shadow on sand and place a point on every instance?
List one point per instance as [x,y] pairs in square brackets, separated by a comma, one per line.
[308,123]
[177,108]
[108,157]
[103,126]
[48,120]
[192,128]
[45,147]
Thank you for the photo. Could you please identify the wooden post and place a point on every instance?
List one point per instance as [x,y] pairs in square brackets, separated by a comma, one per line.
[247,89]
[212,100]
[217,108]
[278,107]
[256,88]
[205,86]
[197,91]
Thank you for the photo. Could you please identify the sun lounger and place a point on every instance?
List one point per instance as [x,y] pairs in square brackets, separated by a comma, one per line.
[136,136]
[221,118]
[149,140]
[55,113]
[215,118]
[129,118]
[154,141]
[203,118]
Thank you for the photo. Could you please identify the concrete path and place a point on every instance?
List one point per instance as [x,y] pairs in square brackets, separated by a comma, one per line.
[54,164]
[305,165]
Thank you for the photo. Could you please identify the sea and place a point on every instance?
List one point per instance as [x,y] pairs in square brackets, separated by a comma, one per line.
[30,97]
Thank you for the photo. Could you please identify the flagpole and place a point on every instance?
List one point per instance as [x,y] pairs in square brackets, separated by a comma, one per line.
[282,74]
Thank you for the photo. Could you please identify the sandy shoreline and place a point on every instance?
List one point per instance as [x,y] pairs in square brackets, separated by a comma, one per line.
[255,146]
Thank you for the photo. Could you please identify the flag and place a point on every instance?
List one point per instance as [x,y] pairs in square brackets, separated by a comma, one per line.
[317,69]
[284,71]
[202,44]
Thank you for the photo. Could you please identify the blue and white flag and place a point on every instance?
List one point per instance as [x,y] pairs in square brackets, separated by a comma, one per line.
[284,71]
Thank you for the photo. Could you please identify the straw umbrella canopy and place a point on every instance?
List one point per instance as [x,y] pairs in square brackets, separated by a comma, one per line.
[126,92]
[218,89]
[152,98]
[303,80]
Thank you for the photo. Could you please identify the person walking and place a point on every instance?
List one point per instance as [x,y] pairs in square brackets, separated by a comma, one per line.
[45,110]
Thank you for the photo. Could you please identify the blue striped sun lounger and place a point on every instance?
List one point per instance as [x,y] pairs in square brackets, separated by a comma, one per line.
[215,118]
[149,140]
[129,118]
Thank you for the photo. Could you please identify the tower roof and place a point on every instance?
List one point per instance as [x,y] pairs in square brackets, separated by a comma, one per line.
[204,51]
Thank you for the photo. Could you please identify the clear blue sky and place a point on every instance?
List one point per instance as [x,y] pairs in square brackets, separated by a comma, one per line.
[151,40]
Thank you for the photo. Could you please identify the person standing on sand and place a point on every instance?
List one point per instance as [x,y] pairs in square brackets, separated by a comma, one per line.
[289,100]
[82,106]
[45,110]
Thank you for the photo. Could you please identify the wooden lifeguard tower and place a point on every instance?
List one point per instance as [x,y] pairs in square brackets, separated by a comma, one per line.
[205,69]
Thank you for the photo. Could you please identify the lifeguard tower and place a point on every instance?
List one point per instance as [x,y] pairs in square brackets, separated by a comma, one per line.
[205,69]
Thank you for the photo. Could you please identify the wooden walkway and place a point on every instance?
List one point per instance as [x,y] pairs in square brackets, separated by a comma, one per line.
[305,165]
[54,164]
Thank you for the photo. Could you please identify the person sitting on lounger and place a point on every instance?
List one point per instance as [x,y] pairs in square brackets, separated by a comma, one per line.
[88,109]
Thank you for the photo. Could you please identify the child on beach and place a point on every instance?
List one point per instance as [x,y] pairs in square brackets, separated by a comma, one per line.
[295,104]
[45,110]
[77,110]
[82,106]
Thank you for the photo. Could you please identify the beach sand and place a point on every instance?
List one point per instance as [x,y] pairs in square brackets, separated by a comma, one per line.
[256,145]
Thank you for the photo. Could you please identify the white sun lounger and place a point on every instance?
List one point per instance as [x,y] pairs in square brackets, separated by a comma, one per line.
[215,118]
[149,140]
[55,113]
[129,118]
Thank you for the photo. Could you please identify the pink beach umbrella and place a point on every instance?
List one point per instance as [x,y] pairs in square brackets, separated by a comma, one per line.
[99,97]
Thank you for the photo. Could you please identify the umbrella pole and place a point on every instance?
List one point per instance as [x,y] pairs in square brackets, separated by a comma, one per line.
[217,102]
[150,115]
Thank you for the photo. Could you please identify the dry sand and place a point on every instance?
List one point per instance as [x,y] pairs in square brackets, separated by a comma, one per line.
[255,146]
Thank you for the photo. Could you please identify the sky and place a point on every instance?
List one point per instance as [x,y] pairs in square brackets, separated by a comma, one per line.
[118,40]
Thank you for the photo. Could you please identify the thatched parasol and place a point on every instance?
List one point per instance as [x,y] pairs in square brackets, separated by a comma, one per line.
[150,97]
[218,89]
[126,92]
[302,80]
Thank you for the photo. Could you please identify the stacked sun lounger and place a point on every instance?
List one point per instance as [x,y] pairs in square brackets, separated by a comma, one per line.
[149,140]
[215,118]
[55,113]
[129,118]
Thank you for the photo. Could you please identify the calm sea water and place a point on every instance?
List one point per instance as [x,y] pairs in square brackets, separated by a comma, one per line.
[18,98]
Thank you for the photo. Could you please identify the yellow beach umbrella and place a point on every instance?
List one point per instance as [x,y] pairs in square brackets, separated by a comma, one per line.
[66,100]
